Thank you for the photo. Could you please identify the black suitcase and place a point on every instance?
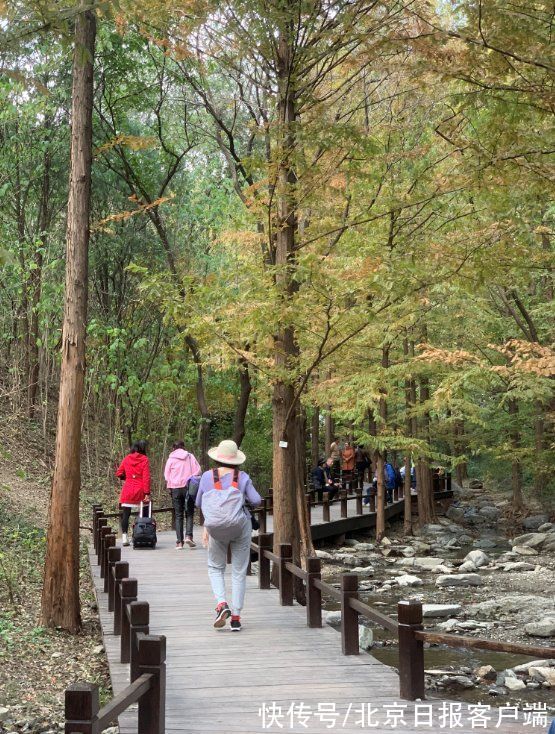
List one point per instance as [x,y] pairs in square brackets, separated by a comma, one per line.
[144,529]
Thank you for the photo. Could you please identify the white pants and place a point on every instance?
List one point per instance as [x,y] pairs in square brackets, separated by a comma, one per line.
[240,556]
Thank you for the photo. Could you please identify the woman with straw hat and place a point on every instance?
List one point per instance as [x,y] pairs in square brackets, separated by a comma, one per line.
[222,494]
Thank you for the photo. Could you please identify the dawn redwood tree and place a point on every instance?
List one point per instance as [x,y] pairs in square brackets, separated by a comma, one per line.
[60,596]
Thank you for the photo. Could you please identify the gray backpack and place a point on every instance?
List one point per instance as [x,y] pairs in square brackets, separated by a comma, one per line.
[224,509]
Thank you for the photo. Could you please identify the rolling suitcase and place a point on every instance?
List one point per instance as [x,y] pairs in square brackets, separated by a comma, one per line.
[144,529]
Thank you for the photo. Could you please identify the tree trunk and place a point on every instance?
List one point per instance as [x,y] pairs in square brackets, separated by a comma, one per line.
[290,517]
[409,422]
[315,436]
[426,510]
[36,286]
[516,468]
[380,498]
[242,402]
[328,431]
[60,596]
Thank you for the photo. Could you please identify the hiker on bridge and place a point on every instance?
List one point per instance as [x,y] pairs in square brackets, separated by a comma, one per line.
[348,463]
[322,478]
[221,496]
[134,471]
[180,467]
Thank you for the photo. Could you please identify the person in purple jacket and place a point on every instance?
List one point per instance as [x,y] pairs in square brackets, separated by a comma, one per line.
[221,496]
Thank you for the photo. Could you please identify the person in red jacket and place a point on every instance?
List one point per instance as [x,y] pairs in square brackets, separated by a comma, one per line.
[134,470]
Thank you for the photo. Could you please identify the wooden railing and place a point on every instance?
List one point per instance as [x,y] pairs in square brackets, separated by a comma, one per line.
[408,627]
[145,653]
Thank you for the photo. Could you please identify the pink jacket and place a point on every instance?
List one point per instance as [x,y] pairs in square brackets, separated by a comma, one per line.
[180,467]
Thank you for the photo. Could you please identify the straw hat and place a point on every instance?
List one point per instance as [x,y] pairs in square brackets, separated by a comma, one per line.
[226,452]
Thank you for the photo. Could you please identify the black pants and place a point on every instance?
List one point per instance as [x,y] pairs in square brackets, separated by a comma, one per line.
[126,514]
[183,505]
[361,466]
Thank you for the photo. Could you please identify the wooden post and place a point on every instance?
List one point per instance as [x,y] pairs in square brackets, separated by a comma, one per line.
[372,503]
[81,708]
[114,555]
[358,495]
[128,595]
[396,494]
[100,526]
[448,482]
[285,576]
[152,706]
[411,651]
[270,499]
[313,595]
[326,507]
[120,572]
[139,613]
[109,541]
[349,617]
[97,512]
[343,496]
[264,565]
[262,517]
[308,499]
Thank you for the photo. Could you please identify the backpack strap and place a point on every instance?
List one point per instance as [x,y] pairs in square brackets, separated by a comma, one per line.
[218,483]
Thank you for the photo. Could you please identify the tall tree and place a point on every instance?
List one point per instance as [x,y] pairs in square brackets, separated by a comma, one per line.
[60,597]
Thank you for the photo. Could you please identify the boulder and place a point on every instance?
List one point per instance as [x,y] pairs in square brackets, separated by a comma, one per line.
[468,567]
[542,675]
[464,579]
[457,681]
[408,551]
[543,628]
[431,529]
[420,547]
[364,546]
[525,550]
[549,545]
[365,637]
[518,566]
[4,712]
[363,570]
[547,527]
[486,672]
[408,580]
[455,513]
[427,561]
[478,558]
[490,513]
[475,484]
[349,561]
[514,684]
[534,521]
[440,610]
[442,569]
[464,539]
[530,540]
[385,541]
[351,542]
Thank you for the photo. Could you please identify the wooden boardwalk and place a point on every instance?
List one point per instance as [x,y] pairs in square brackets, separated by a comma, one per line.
[219,681]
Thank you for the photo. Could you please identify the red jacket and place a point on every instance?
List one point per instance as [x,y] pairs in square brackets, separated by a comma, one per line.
[135,469]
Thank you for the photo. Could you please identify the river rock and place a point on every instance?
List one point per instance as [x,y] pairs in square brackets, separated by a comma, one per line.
[385,542]
[544,628]
[4,713]
[518,566]
[543,675]
[365,547]
[349,561]
[408,551]
[524,550]
[464,579]
[524,667]
[530,540]
[420,547]
[478,558]
[333,618]
[457,681]
[324,555]
[534,521]
[485,543]
[427,561]
[440,610]
[442,569]
[486,672]
[450,625]
[468,567]
[549,545]
[514,684]
[475,484]
[365,637]
[464,539]
[431,529]
[455,513]
[364,571]
[490,513]
[408,580]
[547,527]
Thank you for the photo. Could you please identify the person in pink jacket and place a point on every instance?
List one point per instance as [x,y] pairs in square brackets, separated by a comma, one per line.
[180,467]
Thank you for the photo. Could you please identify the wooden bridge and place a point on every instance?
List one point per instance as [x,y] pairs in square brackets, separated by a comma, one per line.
[285,671]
